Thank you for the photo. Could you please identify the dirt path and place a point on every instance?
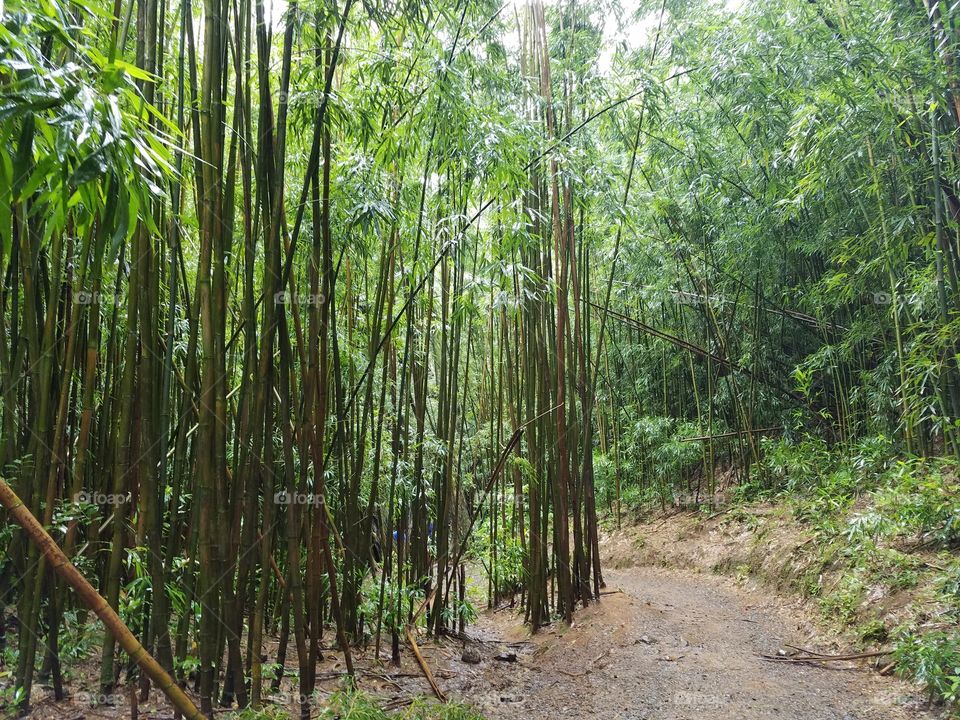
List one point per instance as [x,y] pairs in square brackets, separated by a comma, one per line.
[672,645]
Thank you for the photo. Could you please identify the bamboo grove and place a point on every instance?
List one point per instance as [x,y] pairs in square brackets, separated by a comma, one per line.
[289,408]
[312,312]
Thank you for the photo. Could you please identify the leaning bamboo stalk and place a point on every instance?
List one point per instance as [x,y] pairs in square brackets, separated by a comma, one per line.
[114,625]
[734,433]
[423,664]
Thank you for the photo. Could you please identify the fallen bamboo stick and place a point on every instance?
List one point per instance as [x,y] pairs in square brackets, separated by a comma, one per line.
[826,658]
[96,602]
[423,665]
[806,651]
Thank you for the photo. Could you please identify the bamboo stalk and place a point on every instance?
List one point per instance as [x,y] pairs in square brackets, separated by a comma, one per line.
[734,433]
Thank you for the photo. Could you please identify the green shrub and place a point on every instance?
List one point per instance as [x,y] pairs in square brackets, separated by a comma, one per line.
[921,500]
[427,710]
[655,459]
[795,466]
[842,603]
[872,632]
[948,585]
[932,659]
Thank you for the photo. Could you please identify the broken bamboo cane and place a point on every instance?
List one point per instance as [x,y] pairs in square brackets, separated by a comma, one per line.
[96,602]
[410,632]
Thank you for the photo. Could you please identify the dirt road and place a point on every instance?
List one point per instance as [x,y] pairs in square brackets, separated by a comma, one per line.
[672,645]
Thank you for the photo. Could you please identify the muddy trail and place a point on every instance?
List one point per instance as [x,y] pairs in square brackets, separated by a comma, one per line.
[671,645]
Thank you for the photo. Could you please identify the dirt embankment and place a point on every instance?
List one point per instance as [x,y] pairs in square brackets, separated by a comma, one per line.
[738,543]
[762,547]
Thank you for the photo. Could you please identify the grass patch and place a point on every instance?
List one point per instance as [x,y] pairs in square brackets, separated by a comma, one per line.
[358,705]
[355,705]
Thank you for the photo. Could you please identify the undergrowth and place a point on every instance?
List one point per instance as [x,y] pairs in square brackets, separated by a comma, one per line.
[882,524]
[354,705]
[357,705]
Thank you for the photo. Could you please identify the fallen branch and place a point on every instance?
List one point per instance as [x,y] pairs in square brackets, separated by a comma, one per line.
[397,703]
[806,651]
[386,679]
[463,637]
[825,658]
[423,665]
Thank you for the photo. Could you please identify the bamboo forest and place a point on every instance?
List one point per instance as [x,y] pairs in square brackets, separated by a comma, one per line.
[465,359]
